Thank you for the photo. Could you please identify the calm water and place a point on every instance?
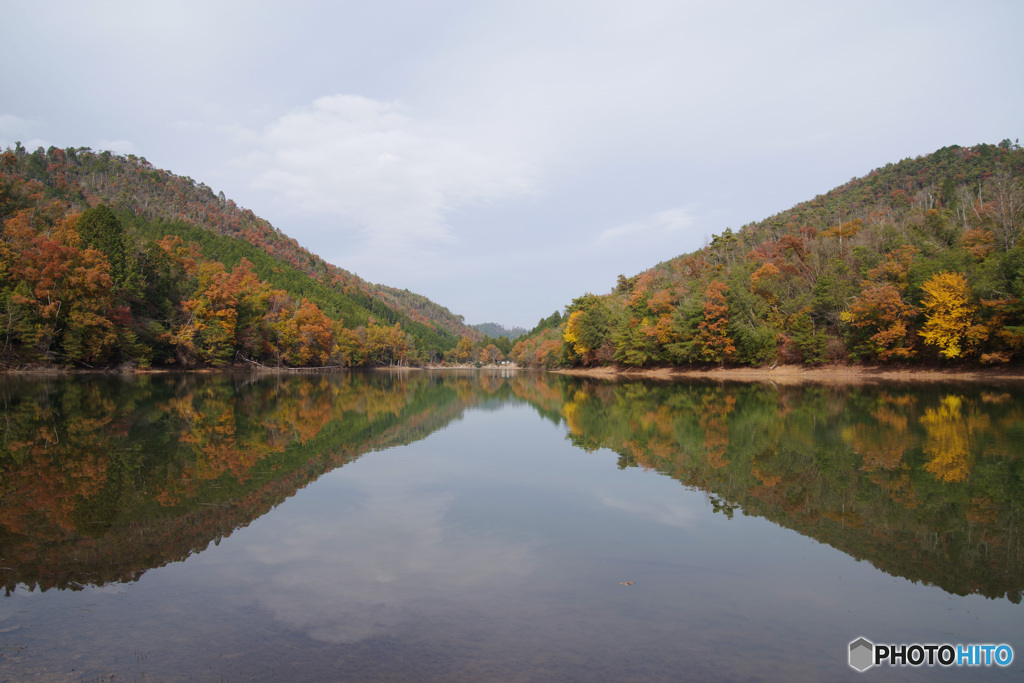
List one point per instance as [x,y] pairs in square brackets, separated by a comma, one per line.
[486,528]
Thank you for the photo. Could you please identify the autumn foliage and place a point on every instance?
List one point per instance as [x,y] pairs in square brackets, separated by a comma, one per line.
[916,262]
[950,315]
[84,285]
[105,260]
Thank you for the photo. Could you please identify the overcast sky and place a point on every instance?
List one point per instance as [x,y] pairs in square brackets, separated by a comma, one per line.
[505,157]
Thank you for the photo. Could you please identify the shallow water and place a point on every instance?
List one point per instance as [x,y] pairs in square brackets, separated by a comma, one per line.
[485,527]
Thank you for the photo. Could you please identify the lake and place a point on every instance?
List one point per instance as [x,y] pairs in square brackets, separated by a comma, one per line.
[502,526]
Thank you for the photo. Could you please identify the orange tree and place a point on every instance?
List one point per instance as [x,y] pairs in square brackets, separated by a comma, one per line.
[880,322]
[879,318]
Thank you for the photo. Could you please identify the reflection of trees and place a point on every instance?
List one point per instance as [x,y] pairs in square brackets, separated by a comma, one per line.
[947,438]
[920,484]
[102,479]
[57,461]
[881,443]
[714,420]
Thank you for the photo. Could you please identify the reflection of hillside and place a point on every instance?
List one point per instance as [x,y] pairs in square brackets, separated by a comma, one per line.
[102,479]
[923,484]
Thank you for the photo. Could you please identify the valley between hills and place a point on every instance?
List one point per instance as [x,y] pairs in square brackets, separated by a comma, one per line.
[110,263]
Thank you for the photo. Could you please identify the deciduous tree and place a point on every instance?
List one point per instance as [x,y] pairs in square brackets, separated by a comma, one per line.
[712,342]
[950,322]
[881,323]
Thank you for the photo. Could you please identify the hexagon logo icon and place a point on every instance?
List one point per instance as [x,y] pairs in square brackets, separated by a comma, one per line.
[862,654]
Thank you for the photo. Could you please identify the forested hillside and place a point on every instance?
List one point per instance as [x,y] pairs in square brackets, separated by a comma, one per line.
[105,260]
[919,261]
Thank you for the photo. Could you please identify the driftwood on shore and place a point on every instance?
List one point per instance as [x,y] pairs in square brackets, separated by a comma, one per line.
[256,365]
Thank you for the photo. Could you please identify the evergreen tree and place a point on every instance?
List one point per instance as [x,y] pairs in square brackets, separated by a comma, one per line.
[99,228]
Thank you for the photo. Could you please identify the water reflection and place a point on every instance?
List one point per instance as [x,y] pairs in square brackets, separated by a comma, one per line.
[925,484]
[102,479]
[365,574]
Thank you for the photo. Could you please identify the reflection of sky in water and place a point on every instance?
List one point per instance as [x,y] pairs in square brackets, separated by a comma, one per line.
[366,547]
[496,531]
[494,549]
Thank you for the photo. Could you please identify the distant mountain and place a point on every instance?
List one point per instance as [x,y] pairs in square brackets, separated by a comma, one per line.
[495,330]
[920,260]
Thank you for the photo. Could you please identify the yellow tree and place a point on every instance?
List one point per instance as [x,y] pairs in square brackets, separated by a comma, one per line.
[464,349]
[574,333]
[951,317]
[349,347]
[386,345]
[588,328]
[304,335]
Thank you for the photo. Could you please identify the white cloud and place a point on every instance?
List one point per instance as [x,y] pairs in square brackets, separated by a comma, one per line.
[379,170]
[674,513]
[17,129]
[732,110]
[661,224]
[117,146]
[12,125]
[344,580]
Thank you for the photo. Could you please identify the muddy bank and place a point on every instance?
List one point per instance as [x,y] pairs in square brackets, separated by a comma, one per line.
[780,374]
[795,374]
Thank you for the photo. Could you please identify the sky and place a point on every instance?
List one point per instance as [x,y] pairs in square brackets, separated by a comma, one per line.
[503,158]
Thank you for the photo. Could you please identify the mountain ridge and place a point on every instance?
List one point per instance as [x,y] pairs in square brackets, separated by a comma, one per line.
[149,206]
[872,270]
[130,183]
[916,261]
[106,260]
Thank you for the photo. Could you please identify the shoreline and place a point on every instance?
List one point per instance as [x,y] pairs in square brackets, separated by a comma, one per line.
[798,374]
[837,374]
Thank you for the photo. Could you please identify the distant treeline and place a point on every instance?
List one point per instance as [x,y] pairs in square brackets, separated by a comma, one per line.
[495,330]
